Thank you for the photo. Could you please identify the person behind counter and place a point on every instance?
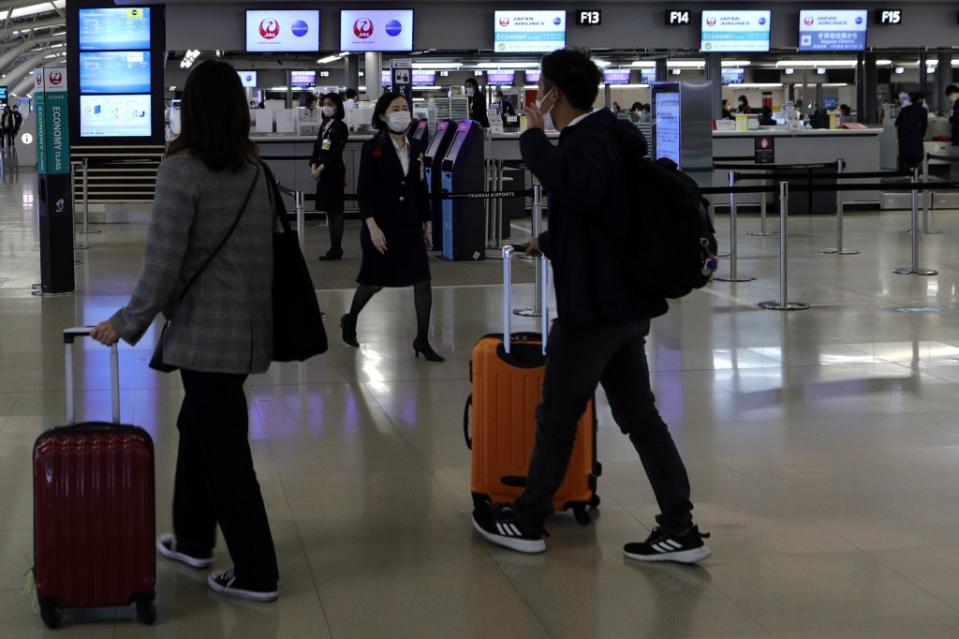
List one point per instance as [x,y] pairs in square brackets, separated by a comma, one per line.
[329,172]
[351,96]
[952,93]
[727,114]
[744,107]
[398,230]
[912,122]
[845,114]
[477,102]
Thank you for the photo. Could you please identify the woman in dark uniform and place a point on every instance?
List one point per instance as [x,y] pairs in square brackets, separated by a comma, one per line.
[327,168]
[477,102]
[397,231]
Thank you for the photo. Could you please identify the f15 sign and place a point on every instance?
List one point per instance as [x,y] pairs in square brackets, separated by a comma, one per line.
[889,16]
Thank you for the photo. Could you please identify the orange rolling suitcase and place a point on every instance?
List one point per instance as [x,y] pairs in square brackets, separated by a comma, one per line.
[507,379]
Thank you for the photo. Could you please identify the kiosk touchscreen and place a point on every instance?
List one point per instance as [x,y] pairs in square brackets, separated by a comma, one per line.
[435,152]
[464,221]
[420,136]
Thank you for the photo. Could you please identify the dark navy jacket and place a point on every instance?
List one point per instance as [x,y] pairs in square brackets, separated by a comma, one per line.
[586,180]
[912,123]
[385,193]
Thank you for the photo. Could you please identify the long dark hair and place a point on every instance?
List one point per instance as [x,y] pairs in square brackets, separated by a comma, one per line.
[381,106]
[215,119]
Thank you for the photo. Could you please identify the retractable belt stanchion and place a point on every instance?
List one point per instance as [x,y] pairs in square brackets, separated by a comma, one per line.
[840,210]
[763,231]
[783,304]
[73,196]
[536,310]
[927,200]
[298,201]
[914,269]
[734,275]
[85,224]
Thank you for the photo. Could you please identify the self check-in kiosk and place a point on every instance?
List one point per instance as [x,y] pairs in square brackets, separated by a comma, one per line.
[420,136]
[464,220]
[435,152]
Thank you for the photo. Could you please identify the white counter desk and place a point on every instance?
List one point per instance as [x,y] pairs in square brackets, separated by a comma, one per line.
[859,148]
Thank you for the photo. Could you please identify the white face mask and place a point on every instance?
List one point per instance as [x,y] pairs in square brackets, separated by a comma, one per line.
[399,121]
[470,91]
[329,112]
[547,119]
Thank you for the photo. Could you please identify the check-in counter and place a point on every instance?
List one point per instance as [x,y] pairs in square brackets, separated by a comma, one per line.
[859,148]
[289,158]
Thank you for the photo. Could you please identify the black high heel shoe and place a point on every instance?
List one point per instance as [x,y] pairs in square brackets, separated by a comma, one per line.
[348,324]
[423,348]
[332,256]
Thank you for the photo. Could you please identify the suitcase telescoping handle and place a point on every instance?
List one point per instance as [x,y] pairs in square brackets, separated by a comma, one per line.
[69,336]
[508,253]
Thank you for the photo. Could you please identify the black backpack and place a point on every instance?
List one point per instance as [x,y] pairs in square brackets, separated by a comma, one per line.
[671,240]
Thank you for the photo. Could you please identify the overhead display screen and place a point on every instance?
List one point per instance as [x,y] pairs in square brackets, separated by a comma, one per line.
[111,29]
[616,76]
[529,31]
[115,72]
[502,77]
[667,129]
[532,77]
[282,31]
[376,30]
[733,76]
[735,31]
[115,116]
[424,78]
[647,76]
[302,79]
[832,30]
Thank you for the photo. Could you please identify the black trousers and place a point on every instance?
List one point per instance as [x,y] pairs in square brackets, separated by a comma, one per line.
[215,479]
[577,360]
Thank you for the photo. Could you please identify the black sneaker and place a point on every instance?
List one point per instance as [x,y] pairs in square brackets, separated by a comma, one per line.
[502,528]
[225,583]
[687,548]
[167,546]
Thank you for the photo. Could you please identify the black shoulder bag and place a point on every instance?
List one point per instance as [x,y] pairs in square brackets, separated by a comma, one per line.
[298,331]
[156,362]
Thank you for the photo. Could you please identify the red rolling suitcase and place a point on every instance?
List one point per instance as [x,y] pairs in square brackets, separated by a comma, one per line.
[94,511]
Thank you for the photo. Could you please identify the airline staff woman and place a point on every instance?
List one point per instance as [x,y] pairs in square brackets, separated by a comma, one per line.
[329,171]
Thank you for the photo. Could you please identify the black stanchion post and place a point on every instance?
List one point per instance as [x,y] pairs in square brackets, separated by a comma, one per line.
[734,275]
[915,269]
[298,201]
[783,304]
[840,210]
[927,201]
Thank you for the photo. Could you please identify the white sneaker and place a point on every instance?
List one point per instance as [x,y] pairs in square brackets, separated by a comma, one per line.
[166,546]
[224,582]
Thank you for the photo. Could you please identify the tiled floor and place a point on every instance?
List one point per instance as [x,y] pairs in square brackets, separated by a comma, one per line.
[823,448]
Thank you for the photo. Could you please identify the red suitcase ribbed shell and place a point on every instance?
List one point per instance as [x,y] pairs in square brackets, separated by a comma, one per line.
[94,516]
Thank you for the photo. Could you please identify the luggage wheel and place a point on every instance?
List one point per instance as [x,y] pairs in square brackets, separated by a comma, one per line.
[146,612]
[52,615]
[581,515]
[595,502]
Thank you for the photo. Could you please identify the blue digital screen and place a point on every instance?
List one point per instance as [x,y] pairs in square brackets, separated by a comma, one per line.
[833,30]
[114,72]
[114,29]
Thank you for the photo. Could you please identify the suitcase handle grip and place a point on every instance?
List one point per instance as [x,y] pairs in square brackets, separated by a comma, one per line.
[69,336]
[508,252]
[466,422]
[513,481]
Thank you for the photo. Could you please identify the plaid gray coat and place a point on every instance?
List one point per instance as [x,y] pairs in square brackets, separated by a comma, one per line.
[225,322]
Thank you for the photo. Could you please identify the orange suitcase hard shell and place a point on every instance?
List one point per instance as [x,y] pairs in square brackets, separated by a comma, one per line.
[507,385]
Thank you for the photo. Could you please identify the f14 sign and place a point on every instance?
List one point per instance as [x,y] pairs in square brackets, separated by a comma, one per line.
[376,30]
[282,31]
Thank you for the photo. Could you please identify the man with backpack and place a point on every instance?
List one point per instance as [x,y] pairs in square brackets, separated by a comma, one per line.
[603,315]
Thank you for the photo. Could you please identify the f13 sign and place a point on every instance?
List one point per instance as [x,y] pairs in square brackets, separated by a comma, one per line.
[832,30]
[732,31]
[529,31]
[376,30]
[282,31]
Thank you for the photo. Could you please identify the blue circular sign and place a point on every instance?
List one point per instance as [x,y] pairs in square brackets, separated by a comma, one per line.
[557,21]
[762,21]
[299,28]
[858,20]
[394,27]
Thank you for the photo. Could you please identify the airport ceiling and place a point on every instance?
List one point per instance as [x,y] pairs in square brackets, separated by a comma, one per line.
[31,33]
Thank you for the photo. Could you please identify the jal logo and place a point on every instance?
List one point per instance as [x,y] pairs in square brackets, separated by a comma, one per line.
[711,22]
[808,21]
[762,21]
[557,21]
[56,78]
[269,29]
[504,22]
[363,28]
[61,204]
[394,28]
[300,28]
